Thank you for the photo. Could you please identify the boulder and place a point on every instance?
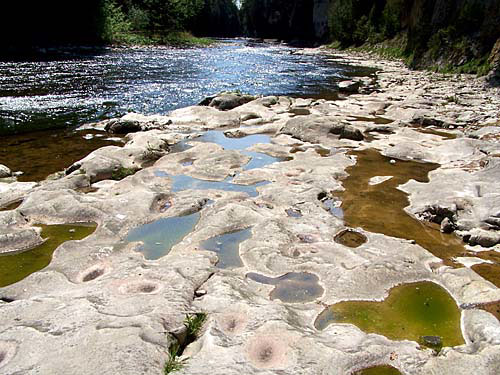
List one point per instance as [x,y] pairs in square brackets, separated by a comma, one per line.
[349,87]
[5,171]
[299,111]
[227,101]
[123,127]
[347,132]
[493,77]
[484,238]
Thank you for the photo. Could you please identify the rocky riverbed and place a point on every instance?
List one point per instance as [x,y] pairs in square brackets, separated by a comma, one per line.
[269,174]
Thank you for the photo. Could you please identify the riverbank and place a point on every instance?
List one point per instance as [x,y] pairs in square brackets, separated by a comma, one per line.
[270,172]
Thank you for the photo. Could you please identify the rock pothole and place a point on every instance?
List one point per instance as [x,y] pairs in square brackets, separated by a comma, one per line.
[140,287]
[7,352]
[350,238]
[267,352]
[293,287]
[92,273]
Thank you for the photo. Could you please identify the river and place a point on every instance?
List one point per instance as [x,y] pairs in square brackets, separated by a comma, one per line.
[73,89]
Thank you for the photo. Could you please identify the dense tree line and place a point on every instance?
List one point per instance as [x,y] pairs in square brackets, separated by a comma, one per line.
[282,19]
[432,30]
[26,24]
[203,17]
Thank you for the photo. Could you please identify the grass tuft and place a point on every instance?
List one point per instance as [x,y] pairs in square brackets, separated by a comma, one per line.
[194,324]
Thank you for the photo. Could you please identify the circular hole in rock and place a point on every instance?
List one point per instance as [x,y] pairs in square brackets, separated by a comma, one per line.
[144,287]
[350,238]
[268,352]
[7,352]
[322,195]
[93,274]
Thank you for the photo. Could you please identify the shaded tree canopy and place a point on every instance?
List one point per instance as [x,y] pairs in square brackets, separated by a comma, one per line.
[26,24]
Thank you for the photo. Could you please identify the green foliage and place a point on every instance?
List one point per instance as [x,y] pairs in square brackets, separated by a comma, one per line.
[391,18]
[194,324]
[122,172]
[166,21]
[341,21]
[173,363]
[115,21]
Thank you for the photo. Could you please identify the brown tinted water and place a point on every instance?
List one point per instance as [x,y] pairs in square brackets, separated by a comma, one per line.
[380,208]
[445,135]
[378,370]
[42,153]
[11,206]
[15,267]
[375,120]
[350,238]
[409,312]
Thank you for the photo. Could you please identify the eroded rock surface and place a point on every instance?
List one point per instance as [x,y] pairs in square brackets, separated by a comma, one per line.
[102,307]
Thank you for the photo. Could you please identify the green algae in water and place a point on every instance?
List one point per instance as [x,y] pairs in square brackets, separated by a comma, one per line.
[227,247]
[410,312]
[378,370]
[161,235]
[15,267]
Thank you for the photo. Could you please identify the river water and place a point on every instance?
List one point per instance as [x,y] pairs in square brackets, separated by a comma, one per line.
[63,92]
[77,89]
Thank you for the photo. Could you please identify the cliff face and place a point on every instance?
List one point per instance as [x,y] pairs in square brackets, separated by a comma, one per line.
[285,19]
[320,18]
[443,33]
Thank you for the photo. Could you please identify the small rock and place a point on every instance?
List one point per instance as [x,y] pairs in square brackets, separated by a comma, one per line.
[433,342]
[447,225]
[299,111]
[5,171]
[392,161]
[227,101]
[123,127]
[350,87]
[200,292]
[347,132]
[483,238]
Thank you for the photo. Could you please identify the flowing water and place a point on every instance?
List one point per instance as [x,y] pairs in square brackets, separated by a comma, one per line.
[67,92]
[79,89]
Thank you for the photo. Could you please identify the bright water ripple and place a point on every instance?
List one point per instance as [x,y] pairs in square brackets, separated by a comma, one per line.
[81,89]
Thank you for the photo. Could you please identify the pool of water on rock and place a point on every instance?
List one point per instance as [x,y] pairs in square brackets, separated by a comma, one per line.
[42,153]
[227,247]
[257,160]
[408,313]
[293,287]
[380,208]
[161,235]
[184,182]
[378,370]
[15,267]
[350,238]
[11,206]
